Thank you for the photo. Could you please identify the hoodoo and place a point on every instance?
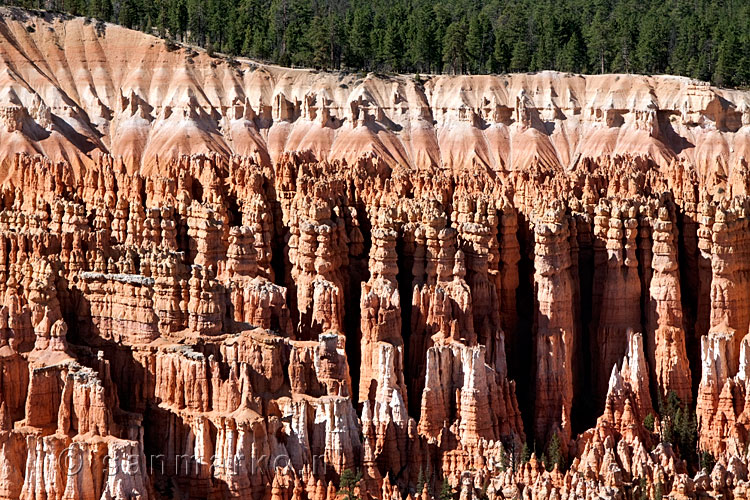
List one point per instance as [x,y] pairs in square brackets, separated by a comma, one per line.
[223,279]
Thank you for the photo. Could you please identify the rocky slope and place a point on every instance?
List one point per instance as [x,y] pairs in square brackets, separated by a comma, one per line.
[221,279]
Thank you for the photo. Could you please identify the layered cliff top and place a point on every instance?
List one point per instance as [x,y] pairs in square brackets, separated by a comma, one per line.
[70,89]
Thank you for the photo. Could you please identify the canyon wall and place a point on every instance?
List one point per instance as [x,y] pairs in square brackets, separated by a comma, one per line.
[221,279]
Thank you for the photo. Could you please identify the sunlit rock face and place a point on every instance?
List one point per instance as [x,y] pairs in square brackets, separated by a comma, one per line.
[220,279]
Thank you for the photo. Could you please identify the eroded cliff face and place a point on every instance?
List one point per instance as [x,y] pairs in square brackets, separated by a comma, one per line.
[220,279]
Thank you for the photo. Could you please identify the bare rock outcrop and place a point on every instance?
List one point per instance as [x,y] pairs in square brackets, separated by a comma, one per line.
[222,279]
[554,326]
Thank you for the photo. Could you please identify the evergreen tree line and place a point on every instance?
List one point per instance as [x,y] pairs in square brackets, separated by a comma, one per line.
[705,39]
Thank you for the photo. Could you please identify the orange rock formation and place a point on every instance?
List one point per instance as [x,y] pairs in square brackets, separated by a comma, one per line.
[220,279]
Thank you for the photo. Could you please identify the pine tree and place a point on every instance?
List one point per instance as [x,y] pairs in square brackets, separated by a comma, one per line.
[625,34]
[296,47]
[360,51]
[503,461]
[679,427]
[392,46]
[525,453]
[422,46]
[197,21]
[648,422]
[543,56]
[420,481]
[652,51]
[161,20]
[707,462]
[726,63]
[76,7]
[348,483]
[319,37]
[216,23]
[149,27]
[703,39]
[658,491]
[446,491]
[554,454]
[642,489]
[520,59]
[177,18]
[100,9]
[278,20]
[597,42]
[479,43]
[501,54]
[128,15]
[454,48]
[571,57]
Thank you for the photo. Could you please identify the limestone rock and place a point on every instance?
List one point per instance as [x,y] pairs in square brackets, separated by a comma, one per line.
[261,277]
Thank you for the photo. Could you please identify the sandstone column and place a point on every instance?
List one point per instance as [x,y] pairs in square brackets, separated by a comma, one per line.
[554,329]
